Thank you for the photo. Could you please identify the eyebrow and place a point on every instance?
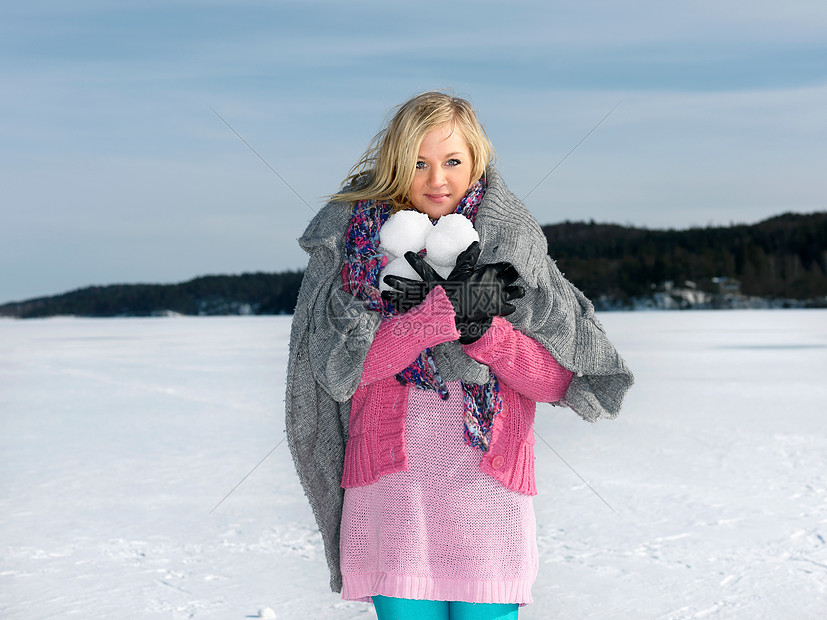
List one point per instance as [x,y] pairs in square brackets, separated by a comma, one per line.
[446,156]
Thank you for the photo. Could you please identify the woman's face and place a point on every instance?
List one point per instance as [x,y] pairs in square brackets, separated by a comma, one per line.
[443,172]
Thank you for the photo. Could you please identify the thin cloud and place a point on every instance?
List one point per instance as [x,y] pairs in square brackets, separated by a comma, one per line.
[107,134]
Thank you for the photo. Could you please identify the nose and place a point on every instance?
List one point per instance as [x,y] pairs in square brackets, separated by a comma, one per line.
[436,176]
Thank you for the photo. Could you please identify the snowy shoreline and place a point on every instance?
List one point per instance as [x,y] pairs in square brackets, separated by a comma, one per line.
[117,438]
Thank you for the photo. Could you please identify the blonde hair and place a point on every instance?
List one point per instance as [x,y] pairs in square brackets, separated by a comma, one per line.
[386,170]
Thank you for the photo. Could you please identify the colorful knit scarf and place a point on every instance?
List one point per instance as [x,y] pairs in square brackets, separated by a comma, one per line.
[360,276]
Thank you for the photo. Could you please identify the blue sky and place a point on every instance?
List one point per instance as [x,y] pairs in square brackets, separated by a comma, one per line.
[114,169]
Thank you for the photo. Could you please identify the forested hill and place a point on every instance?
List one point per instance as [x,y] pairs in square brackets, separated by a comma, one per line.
[778,262]
[784,257]
[249,293]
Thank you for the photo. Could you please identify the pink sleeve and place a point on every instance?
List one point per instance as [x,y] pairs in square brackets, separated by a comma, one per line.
[403,337]
[521,362]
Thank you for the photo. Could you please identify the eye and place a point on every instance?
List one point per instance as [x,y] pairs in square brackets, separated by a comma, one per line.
[420,165]
[453,162]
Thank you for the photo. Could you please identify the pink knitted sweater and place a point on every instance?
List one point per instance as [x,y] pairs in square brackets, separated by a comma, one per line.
[526,370]
[426,516]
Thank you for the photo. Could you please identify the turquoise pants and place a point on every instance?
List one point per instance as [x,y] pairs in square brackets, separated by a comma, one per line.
[388,608]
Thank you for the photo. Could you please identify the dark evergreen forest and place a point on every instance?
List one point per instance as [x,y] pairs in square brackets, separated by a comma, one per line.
[249,293]
[784,257]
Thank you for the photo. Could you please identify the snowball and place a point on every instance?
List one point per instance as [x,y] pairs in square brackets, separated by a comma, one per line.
[443,270]
[404,231]
[397,267]
[267,612]
[452,234]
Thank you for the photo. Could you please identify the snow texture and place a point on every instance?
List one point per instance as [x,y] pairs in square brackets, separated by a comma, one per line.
[404,231]
[411,231]
[396,267]
[450,236]
[119,436]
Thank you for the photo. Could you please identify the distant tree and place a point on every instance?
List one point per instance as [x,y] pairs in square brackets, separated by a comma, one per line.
[784,257]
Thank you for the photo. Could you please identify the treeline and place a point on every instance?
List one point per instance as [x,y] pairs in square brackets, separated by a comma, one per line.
[249,293]
[783,258]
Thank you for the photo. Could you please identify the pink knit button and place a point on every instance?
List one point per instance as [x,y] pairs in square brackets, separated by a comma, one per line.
[497,462]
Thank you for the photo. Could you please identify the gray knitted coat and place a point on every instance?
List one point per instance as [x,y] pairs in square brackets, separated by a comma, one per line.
[332,332]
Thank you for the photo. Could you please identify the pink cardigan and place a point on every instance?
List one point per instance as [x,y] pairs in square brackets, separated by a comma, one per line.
[526,370]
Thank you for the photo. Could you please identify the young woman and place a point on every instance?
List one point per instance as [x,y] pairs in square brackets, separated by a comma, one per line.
[411,398]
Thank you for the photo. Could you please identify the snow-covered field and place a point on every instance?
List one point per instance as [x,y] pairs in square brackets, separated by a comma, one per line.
[118,437]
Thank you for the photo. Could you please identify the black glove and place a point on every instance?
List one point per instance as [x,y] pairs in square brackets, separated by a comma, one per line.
[486,293]
[477,293]
[410,293]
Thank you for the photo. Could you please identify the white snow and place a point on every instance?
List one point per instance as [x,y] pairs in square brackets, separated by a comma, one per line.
[397,267]
[119,436]
[450,236]
[411,231]
[404,231]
